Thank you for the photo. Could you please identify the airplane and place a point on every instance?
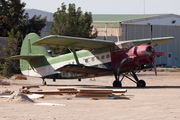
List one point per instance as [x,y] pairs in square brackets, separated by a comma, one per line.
[88,58]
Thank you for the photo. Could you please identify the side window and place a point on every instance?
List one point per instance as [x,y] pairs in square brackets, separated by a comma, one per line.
[118,48]
[125,46]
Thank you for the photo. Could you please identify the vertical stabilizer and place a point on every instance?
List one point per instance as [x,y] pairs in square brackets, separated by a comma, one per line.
[27,49]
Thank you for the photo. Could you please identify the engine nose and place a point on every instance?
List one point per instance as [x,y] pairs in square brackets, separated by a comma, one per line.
[150,50]
[144,54]
[144,50]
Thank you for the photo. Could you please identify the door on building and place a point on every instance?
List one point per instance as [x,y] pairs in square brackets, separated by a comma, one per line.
[169,59]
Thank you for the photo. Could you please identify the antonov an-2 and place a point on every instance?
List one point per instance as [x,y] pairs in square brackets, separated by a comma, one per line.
[94,58]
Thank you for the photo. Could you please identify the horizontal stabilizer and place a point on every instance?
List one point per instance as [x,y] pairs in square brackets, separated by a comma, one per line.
[25,57]
[85,70]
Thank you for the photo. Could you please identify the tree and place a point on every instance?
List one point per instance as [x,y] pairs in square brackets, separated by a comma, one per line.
[11,15]
[10,49]
[35,24]
[15,23]
[72,22]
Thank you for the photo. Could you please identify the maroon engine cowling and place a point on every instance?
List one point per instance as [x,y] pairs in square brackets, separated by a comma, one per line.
[141,58]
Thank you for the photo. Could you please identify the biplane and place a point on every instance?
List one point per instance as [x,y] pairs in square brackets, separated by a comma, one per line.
[88,58]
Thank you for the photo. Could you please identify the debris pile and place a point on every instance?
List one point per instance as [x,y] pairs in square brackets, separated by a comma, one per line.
[25,95]
[4,82]
[20,97]
[20,77]
[90,93]
[6,91]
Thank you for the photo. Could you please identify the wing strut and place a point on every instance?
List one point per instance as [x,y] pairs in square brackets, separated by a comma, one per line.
[75,55]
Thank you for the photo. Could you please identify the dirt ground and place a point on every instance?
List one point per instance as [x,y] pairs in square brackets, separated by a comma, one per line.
[160,100]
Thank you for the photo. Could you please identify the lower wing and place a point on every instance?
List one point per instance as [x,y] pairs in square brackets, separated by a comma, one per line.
[86,70]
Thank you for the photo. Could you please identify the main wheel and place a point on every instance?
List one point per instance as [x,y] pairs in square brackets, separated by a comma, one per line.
[141,83]
[117,83]
[44,82]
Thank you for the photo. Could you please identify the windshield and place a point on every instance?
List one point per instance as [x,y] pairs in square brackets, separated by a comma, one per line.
[127,45]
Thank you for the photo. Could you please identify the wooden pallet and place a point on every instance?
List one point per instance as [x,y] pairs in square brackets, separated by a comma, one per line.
[81,92]
[98,92]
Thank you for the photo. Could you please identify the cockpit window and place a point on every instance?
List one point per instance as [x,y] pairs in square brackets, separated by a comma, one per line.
[117,47]
[127,45]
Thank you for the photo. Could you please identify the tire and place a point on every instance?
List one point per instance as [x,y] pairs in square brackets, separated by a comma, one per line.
[141,83]
[44,82]
[117,84]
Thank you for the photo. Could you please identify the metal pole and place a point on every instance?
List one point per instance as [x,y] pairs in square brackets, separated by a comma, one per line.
[106,31]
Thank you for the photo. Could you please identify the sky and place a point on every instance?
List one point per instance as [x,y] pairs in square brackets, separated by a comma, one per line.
[110,6]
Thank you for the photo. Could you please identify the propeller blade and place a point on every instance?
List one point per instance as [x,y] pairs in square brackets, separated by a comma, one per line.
[160,53]
[154,65]
[146,52]
[151,35]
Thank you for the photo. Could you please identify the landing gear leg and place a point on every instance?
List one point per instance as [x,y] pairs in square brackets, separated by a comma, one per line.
[140,83]
[44,82]
[117,83]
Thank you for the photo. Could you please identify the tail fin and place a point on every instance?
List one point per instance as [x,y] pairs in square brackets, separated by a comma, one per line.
[29,49]
[31,56]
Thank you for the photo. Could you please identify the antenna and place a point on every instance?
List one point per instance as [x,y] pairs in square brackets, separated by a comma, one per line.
[117,36]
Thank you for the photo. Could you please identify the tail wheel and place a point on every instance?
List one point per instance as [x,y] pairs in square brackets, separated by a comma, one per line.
[141,83]
[117,83]
[44,82]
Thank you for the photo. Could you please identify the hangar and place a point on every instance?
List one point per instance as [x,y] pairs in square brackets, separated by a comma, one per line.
[137,26]
[129,27]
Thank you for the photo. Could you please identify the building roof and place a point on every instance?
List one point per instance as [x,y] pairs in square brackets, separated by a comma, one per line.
[32,12]
[113,20]
[120,17]
[153,19]
[96,17]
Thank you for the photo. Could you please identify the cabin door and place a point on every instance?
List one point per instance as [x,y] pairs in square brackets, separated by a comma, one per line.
[117,54]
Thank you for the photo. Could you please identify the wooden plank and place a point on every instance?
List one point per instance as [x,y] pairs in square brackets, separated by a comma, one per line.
[92,95]
[66,88]
[53,92]
[96,91]
[35,96]
[119,90]
[32,86]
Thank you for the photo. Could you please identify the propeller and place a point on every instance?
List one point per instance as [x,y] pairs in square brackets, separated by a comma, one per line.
[153,56]
[154,53]
[151,53]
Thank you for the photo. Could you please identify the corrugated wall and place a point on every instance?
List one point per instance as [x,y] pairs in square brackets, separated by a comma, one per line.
[171,49]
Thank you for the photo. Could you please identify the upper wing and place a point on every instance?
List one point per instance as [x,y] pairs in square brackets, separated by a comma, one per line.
[88,44]
[68,42]
[25,57]
[155,41]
